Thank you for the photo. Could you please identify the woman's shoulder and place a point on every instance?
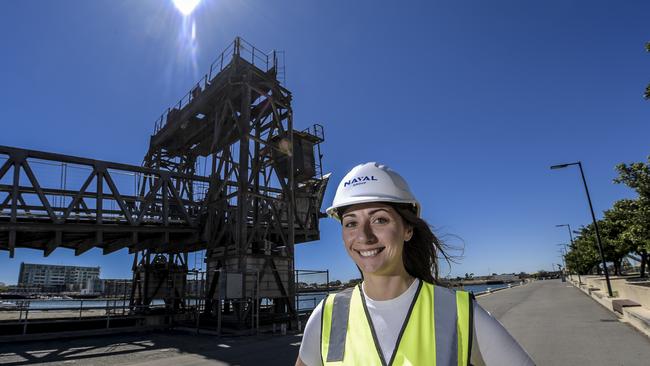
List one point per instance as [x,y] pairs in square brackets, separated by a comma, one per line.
[310,345]
[315,318]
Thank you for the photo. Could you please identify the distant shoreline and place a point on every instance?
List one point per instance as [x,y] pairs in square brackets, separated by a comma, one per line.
[478,282]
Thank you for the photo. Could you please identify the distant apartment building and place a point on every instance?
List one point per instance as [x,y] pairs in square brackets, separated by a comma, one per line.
[108,287]
[52,278]
[16,289]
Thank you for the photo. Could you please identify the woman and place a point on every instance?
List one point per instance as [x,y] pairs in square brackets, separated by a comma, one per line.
[397,316]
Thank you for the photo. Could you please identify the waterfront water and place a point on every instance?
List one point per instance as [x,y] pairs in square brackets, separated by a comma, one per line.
[86,304]
[477,289]
[305,302]
[309,301]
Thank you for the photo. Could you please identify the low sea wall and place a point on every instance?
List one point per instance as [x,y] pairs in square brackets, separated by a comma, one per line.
[493,290]
[633,289]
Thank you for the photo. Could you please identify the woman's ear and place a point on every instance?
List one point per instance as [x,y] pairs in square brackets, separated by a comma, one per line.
[409,233]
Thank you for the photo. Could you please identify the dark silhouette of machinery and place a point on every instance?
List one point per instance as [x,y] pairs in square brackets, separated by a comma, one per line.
[225,172]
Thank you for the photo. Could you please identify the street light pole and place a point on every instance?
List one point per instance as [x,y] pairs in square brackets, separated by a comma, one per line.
[570,237]
[593,218]
[570,234]
[563,255]
[562,270]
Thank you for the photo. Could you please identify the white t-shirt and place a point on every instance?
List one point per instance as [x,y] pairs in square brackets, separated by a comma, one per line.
[496,345]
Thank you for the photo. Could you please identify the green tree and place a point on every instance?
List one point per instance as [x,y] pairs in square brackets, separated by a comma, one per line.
[583,255]
[635,176]
[353,282]
[637,233]
[613,228]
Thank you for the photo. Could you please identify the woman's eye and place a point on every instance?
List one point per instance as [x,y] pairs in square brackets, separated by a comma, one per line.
[381,220]
[350,224]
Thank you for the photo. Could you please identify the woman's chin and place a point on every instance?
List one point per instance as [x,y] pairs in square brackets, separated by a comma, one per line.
[369,270]
[371,267]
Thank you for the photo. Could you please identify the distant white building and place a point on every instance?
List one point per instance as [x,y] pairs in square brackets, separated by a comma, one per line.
[55,277]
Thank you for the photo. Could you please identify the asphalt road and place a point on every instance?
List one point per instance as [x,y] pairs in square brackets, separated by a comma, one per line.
[558,324]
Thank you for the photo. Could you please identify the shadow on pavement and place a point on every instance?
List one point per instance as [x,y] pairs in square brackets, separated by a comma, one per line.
[155,348]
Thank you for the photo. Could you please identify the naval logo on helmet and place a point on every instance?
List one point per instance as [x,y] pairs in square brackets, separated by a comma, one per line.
[359,180]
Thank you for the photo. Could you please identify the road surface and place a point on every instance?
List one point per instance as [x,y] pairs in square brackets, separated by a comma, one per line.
[560,325]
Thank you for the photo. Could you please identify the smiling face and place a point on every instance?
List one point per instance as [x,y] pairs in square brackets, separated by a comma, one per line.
[374,236]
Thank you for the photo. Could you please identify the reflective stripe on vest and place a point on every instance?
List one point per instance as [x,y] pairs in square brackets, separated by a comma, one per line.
[436,331]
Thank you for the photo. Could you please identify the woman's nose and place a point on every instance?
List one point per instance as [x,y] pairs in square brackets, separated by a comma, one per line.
[366,235]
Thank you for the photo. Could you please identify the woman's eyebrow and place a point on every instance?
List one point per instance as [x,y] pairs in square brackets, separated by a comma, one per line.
[351,214]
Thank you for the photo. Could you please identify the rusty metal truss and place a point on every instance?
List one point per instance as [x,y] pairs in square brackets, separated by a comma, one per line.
[37,211]
[225,171]
[240,121]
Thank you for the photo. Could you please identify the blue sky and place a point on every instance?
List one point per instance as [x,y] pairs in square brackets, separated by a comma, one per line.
[471,101]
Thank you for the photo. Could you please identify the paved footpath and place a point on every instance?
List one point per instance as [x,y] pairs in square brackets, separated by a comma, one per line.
[560,325]
[154,349]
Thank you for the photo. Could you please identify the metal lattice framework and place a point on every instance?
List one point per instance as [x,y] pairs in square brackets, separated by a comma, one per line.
[38,212]
[258,195]
[241,122]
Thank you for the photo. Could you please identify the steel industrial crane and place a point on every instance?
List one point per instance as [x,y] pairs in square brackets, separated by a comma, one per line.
[225,172]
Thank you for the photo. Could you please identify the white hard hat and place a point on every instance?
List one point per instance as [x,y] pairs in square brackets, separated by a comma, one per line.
[372,182]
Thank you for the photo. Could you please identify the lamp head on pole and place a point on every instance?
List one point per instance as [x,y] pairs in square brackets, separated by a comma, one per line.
[560,166]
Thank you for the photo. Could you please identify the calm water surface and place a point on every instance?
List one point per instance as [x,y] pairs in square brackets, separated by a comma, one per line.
[305,301]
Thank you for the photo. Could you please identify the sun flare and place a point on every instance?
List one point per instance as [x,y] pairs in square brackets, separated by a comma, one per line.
[186,7]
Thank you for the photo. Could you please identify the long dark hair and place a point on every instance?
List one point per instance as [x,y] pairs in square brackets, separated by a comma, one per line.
[423,251]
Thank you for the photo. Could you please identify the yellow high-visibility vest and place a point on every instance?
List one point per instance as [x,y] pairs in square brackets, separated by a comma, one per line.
[436,331]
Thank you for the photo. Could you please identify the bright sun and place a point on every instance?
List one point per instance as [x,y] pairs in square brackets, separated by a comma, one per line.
[186,7]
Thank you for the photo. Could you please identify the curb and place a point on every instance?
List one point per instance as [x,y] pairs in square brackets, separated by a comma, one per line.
[486,293]
[636,317]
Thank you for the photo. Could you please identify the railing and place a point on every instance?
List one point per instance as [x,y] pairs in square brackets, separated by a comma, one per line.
[63,192]
[59,187]
[32,312]
[239,47]
[307,304]
[311,287]
[317,131]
